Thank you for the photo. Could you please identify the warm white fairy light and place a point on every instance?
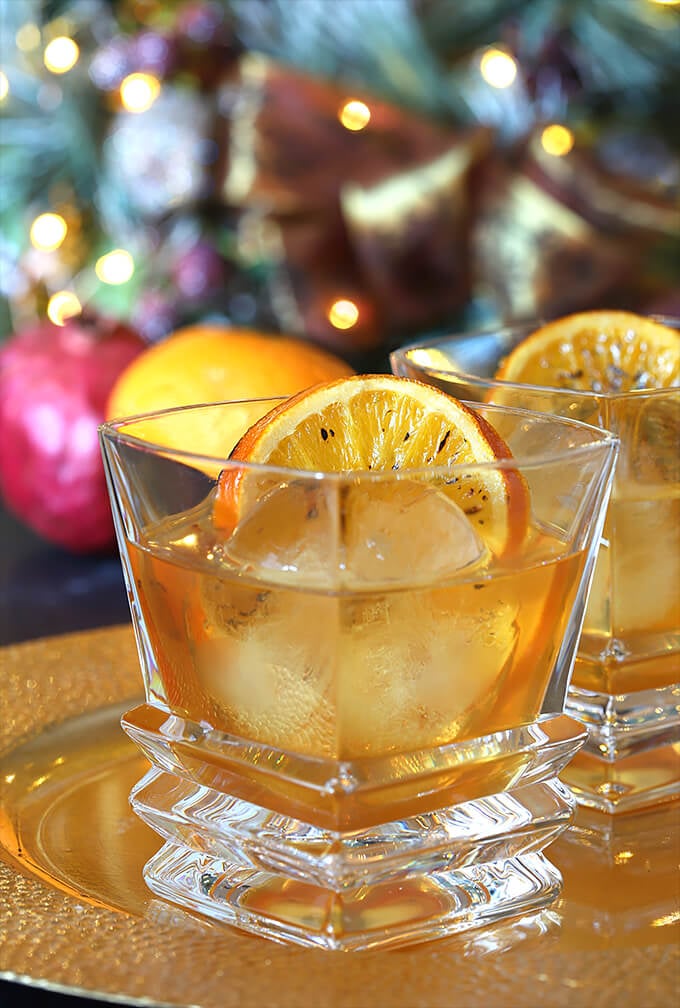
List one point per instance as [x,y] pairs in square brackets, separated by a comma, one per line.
[498,68]
[115,267]
[48,232]
[61,54]
[4,86]
[62,306]
[28,37]
[138,91]
[354,115]
[557,139]
[343,314]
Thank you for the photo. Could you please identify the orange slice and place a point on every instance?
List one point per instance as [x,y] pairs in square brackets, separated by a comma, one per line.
[384,423]
[597,351]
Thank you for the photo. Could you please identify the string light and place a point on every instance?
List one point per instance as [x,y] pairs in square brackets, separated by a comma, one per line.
[115,267]
[354,115]
[28,37]
[138,91]
[62,306]
[48,232]
[4,86]
[61,54]
[343,314]
[557,140]
[498,68]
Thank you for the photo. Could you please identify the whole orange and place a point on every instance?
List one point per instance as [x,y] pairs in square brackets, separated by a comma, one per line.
[211,363]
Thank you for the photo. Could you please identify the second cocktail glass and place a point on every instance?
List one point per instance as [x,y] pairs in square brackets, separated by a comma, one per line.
[626,681]
[354,694]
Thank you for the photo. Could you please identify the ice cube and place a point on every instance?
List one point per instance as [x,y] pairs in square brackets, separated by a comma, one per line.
[645,562]
[366,535]
[406,532]
[426,670]
[271,675]
[289,536]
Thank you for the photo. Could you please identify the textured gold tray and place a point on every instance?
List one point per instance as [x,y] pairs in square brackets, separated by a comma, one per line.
[75,914]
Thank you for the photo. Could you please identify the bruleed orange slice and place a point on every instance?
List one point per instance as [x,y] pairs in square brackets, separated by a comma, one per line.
[382,423]
[597,351]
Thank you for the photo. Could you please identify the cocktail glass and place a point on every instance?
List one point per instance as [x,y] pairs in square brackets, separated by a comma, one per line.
[353,707]
[626,681]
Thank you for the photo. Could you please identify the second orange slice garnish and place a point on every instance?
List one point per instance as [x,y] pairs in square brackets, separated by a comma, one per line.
[381,423]
[597,351]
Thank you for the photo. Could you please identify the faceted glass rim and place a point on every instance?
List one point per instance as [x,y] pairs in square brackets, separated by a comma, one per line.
[595,439]
[405,352]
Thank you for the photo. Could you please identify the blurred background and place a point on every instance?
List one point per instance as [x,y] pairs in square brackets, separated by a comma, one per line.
[356,174]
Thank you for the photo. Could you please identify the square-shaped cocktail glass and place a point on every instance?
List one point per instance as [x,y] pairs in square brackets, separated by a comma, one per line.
[353,699]
[626,681]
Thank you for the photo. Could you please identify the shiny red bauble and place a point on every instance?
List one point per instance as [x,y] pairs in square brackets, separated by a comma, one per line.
[54,383]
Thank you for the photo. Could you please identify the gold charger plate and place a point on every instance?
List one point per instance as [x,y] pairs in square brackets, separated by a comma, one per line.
[76,915]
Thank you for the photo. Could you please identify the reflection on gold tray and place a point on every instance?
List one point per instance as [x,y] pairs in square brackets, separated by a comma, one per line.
[75,913]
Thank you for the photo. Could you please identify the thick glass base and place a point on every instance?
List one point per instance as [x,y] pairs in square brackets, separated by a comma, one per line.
[623,724]
[414,909]
[458,856]
[631,758]
[647,778]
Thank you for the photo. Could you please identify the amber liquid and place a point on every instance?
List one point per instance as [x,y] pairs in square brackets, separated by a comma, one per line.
[345,673]
[631,633]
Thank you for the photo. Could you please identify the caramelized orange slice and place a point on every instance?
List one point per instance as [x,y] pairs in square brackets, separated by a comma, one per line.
[597,351]
[384,423]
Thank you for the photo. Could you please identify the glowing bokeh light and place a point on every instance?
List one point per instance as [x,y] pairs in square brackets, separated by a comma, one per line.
[61,54]
[48,232]
[4,86]
[498,68]
[115,267]
[28,37]
[622,856]
[343,314]
[354,115]
[557,140]
[62,306]
[138,91]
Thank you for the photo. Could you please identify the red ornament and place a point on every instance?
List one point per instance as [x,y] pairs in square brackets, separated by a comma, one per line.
[54,384]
